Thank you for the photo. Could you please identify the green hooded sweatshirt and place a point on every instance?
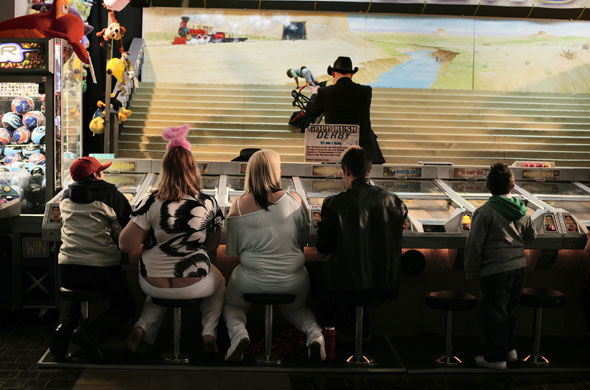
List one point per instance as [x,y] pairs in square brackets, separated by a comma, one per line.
[510,208]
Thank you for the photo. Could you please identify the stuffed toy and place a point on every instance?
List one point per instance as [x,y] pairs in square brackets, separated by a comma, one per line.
[121,69]
[114,32]
[57,23]
[97,122]
[176,136]
[46,7]
[122,112]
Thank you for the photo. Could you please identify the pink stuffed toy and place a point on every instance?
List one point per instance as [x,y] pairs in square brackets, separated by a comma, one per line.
[176,136]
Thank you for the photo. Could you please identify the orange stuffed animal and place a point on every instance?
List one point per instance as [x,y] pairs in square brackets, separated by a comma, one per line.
[56,23]
[114,32]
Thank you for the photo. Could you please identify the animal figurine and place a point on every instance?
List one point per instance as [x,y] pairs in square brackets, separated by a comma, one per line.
[122,112]
[97,122]
[114,32]
[57,23]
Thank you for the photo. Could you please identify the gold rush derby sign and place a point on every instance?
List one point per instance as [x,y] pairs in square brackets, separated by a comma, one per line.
[326,143]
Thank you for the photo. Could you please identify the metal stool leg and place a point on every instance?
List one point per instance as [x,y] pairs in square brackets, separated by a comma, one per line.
[176,356]
[84,311]
[448,359]
[358,357]
[536,359]
[268,357]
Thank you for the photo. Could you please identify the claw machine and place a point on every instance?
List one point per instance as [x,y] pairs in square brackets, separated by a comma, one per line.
[40,135]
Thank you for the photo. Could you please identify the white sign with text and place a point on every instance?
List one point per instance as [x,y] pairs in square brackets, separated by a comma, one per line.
[326,143]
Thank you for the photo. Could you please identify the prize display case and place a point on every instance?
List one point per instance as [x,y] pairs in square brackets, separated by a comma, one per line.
[41,110]
[40,135]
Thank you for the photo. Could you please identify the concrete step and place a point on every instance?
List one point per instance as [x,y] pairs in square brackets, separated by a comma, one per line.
[393,108]
[554,137]
[277,115]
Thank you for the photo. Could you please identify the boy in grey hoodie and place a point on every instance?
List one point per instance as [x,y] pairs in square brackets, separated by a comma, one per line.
[494,252]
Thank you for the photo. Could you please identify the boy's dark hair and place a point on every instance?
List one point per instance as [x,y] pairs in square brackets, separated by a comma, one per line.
[357,160]
[500,179]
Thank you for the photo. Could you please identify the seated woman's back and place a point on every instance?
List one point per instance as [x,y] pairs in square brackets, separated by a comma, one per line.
[269,242]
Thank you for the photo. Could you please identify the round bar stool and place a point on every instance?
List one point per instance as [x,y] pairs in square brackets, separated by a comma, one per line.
[361,300]
[269,300]
[450,301]
[175,356]
[539,299]
[82,296]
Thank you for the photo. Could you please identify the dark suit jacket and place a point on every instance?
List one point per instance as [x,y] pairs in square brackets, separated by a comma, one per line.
[347,102]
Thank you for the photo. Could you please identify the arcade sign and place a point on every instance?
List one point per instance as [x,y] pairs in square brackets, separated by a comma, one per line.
[327,143]
[23,55]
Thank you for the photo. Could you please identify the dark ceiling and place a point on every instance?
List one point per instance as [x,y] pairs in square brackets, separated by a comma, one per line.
[380,7]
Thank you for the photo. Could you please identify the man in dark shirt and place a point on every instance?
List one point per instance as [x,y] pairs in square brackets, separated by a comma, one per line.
[346,102]
[360,235]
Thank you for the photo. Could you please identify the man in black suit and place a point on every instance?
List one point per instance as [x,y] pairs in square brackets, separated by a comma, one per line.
[347,102]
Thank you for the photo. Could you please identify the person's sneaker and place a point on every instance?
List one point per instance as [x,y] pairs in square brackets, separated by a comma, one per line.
[236,350]
[500,365]
[60,339]
[90,348]
[512,356]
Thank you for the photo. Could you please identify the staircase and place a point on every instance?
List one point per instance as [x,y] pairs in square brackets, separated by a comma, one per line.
[462,127]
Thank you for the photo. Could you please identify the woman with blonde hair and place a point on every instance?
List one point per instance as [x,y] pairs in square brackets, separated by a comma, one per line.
[267,228]
[179,226]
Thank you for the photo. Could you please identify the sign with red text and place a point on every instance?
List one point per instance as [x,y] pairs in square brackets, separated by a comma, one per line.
[327,143]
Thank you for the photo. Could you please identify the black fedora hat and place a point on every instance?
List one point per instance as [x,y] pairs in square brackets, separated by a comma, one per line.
[342,65]
[245,154]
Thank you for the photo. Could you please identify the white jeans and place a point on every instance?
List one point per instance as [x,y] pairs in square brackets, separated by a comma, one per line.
[211,289]
[235,308]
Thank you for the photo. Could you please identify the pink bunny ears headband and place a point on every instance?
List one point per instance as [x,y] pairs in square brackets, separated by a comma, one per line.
[176,136]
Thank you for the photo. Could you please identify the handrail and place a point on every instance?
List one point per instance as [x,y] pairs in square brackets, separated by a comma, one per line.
[135,57]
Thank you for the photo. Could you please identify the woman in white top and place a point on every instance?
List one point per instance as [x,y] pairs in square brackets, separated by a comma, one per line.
[180,227]
[267,228]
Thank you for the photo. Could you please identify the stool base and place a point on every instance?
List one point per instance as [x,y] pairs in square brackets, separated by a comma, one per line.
[536,361]
[172,358]
[361,360]
[271,360]
[452,361]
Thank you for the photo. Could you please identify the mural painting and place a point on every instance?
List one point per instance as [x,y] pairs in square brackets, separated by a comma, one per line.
[391,51]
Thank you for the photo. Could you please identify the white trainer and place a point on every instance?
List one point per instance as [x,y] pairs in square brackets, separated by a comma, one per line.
[236,350]
[512,356]
[480,361]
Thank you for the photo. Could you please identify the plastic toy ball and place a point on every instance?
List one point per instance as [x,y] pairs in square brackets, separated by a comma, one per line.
[11,121]
[22,105]
[33,119]
[37,159]
[69,156]
[12,158]
[38,135]
[5,136]
[22,135]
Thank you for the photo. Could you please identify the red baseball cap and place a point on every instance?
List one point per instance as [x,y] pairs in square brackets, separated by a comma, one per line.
[86,166]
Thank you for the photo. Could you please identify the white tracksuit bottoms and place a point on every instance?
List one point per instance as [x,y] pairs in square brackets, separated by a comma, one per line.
[211,289]
[297,313]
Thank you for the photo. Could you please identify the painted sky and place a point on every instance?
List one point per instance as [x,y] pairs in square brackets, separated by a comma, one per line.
[465,26]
